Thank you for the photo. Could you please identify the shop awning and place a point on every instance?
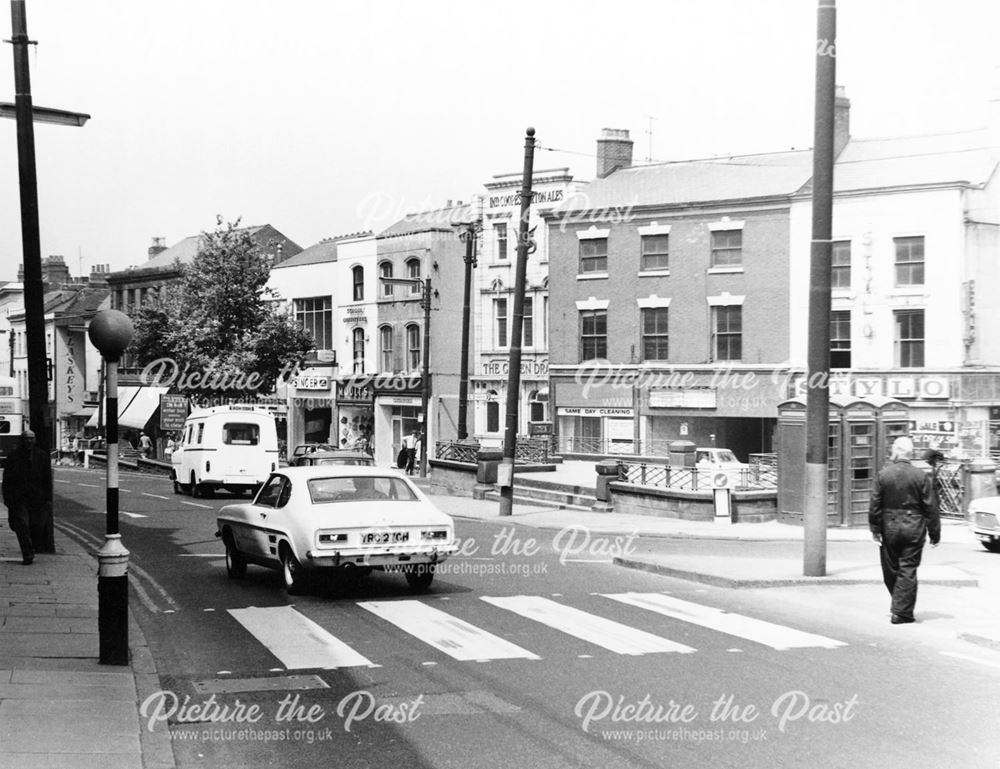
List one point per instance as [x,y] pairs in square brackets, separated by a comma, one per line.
[135,406]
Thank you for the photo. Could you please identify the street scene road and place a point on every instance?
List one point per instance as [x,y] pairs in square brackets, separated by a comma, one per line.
[524,653]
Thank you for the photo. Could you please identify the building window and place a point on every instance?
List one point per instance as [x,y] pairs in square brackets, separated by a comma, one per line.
[655,252]
[493,412]
[385,348]
[500,314]
[358,345]
[909,261]
[501,230]
[413,273]
[413,359]
[727,332]
[545,321]
[316,316]
[840,265]
[358,279]
[909,338]
[385,271]
[594,255]
[528,326]
[727,248]
[593,334]
[654,333]
[840,339]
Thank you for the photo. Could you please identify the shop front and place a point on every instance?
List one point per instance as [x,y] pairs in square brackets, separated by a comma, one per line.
[311,399]
[356,414]
[397,412]
[489,396]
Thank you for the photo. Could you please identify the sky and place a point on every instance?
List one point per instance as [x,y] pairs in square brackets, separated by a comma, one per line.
[324,117]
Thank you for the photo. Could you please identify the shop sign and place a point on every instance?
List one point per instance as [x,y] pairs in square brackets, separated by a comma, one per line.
[349,391]
[305,382]
[355,315]
[500,367]
[399,400]
[173,412]
[595,411]
[693,398]
[902,387]
[513,199]
[539,428]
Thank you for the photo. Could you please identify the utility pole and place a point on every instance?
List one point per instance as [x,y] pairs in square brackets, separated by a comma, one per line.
[34,292]
[505,474]
[818,375]
[467,234]
[425,379]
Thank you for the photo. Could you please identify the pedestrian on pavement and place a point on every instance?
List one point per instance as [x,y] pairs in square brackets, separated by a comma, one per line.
[934,458]
[411,442]
[27,474]
[903,513]
[145,445]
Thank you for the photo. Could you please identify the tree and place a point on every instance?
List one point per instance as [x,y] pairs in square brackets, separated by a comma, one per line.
[218,331]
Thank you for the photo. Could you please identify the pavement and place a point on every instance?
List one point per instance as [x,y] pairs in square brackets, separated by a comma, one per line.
[61,709]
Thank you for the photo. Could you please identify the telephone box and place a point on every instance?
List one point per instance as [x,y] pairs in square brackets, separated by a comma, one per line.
[861,432]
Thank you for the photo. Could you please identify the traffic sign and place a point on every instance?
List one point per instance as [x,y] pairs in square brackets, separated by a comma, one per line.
[720,480]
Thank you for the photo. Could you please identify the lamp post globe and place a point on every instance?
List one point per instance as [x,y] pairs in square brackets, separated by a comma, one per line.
[110,332]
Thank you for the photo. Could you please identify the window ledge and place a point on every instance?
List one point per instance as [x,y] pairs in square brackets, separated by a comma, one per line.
[724,270]
[592,276]
[654,273]
[498,264]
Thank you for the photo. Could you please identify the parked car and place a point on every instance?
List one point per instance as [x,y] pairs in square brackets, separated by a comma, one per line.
[337,519]
[336,457]
[984,517]
[304,449]
[710,461]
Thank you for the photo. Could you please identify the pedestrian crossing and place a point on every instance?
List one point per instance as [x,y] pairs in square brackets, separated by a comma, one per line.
[301,643]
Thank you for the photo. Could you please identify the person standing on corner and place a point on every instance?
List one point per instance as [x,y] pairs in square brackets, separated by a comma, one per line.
[410,443]
[26,475]
[903,513]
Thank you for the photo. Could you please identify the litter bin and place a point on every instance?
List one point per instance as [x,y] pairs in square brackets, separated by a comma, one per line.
[681,453]
[487,462]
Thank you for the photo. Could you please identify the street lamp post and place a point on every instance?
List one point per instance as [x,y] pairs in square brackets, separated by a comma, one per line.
[34,294]
[468,233]
[110,332]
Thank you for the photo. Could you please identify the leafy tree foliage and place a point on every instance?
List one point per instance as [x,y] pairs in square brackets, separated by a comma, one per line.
[219,327]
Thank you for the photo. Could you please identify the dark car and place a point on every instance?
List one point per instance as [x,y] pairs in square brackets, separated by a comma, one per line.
[305,449]
[335,457]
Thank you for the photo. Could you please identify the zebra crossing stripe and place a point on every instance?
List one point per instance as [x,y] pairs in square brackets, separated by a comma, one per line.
[451,635]
[759,631]
[296,640]
[601,631]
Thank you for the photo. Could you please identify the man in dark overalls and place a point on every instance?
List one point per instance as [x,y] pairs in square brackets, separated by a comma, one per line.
[26,476]
[903,513]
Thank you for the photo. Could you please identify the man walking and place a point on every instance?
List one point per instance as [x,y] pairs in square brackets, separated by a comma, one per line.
[26,476]
[411,443]
[903,513]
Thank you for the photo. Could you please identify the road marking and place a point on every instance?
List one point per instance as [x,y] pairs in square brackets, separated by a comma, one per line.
[133,515]
[970,658]
[155,496]
[89,485]
[194,504]
[606,633]
[60,481]
[201,555]
[759,631]
[451,635]
[296,640]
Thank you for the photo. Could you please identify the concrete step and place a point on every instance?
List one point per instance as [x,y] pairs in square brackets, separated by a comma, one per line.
[520,499]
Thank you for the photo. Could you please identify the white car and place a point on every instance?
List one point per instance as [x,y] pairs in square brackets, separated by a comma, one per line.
[712,461]
[306,520]
[984,517]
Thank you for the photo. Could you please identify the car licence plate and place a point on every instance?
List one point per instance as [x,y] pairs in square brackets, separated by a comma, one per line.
[384,537]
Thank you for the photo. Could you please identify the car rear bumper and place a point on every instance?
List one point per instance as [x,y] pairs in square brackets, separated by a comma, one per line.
[378,557]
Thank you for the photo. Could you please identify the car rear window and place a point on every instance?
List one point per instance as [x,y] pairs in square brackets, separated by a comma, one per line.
[241,434]
[365,488]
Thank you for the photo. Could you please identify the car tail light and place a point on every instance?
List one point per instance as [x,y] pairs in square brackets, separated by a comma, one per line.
[434,534]
[208,466]
[328,537]
[272,467]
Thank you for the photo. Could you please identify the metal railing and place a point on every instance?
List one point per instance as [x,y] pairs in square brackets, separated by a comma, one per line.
[581,445]
[528,450]
[756,477]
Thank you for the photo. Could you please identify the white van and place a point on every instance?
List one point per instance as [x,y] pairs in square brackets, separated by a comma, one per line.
[225,447]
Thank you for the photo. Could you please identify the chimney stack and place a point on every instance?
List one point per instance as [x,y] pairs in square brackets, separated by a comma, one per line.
[99,274]
[158,247]
[614,151]
[841,120]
